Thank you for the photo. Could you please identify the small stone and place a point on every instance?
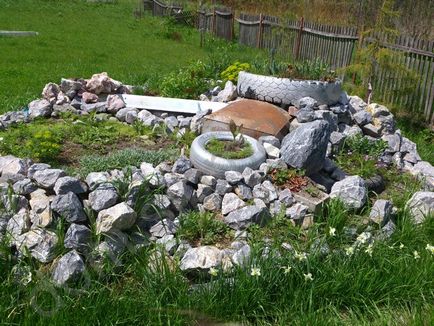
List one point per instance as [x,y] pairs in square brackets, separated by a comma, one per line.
[233,177]
[209,181]
[115,103]
[270,140]
[17,225]
[40,108]
[362,117]
[223,187]
[67,184]
[68,268]
[371,130]
[87,97]
[272,151]
[103,197]
[203,191]
[40,243]
[162,228]
[243,217]
[36,167]
[70,87]
[168,242]
[243,191]
[69,207]
[351,191]
[24,187]
[212,202]
[180,194]
[251,177]
[181,165]
[122,113]
[78,237]
[119,217]
[231,202]
[193,176]
[260,192]
[242,256]
[47,178]
[201,259]
[296,212]
[356,104]
[305,115]
[420,205]
[307,102]
[285,196]
[381,212]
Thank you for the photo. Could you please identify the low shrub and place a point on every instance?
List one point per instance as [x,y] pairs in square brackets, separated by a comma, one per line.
[231,72]
[123,158]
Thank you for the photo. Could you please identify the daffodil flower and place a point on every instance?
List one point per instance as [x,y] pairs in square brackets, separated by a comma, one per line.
[416,255]
[213,271]
[401,246]
[332,232]
[287,269]
[300,256]
[255,271]
[369,250]
[308,277]
[430,248]
[349,251]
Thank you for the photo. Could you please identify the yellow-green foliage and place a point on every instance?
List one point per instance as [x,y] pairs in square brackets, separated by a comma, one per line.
[231,72]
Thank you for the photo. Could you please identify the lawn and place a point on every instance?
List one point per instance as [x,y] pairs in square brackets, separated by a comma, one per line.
[358,282]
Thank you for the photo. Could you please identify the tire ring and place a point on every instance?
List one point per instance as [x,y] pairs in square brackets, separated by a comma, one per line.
[217,166]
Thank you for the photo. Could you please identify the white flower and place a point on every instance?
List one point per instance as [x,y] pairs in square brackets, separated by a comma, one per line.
[416,255]
[213,271]
[369,250]
[287,269]
[362,238]
[255,271]
[308,277]
[430,248]
[401,246]
[1,138]
[349,251]
[300,256]
[332,232]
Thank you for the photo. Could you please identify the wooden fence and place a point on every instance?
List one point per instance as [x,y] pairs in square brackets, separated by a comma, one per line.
[335,45]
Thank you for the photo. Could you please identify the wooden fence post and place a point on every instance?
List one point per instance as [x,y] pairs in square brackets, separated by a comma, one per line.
[214,20]
[232,24]
[259,40]
[299,38]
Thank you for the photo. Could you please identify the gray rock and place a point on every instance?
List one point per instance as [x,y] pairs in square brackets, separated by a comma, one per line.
[229,93]
[351,191]
[387,230]
[243,217]
[36,167]
[201,259]
[98,107]
[242,256]
[319,247]
[119,217]
[233,177]
[270,140]
[17,225]
[231,202]
[212,202]
[114,104]
[307,102]
[69,207]
[10,165]
[162,228]
[393,141]
[276,207]
[180,194]
[50,92]
[67,184]
[285,197]
[68,268]
[171,121]
[243,191]
[423,168]
[356,104]
[223,187]
[209,181]
[362,117]
[420,205]
[203,191]
[122,113]
[103,197]
[172,178]
[272,191]
[168,242]
[272,151]
[78,237]
[93,179]
[297,212]
[47,178]
[102,83]
[131,116]
[306,146]
[328,116]
[260,192]
[70,87]
[40,243]
[185,122]
[385,123]
[24,187]
[305,115]
[348,131]
[377,110]
[39,108]
[193,175]
[371,130]
[181,165]
[251,177]
[381,211]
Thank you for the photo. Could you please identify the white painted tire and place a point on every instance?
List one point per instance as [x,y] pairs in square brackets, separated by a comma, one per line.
[217,166]
[287,91]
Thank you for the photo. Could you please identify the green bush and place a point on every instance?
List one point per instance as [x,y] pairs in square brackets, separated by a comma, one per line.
[202,228]
[188,82]
[124,158]
[231,72]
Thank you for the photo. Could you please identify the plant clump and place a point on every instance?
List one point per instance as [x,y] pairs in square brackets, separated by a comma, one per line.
[292,179]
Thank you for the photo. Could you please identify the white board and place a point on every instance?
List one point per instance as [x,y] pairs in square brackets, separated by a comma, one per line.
[170,104]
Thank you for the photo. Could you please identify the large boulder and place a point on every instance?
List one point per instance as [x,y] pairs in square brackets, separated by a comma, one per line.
[47,178]
[40,243]
[420,205]
[243,217]
[104,196]
[119,217]
[10,165]
[68,268]
[102,83]
[69,207]
[67,184]
[40,108]
[78,237]
[306,147]
[351,191]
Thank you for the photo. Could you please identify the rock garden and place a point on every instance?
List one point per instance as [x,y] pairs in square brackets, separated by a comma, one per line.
[89,183]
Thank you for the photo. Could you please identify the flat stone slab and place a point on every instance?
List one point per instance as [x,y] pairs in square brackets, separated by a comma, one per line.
[314,203]
[257,119]
[167,104]
[18,33]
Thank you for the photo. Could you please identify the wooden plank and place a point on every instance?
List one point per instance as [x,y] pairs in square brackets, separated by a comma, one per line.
[18,33]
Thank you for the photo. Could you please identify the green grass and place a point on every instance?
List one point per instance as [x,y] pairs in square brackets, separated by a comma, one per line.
[229,149]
